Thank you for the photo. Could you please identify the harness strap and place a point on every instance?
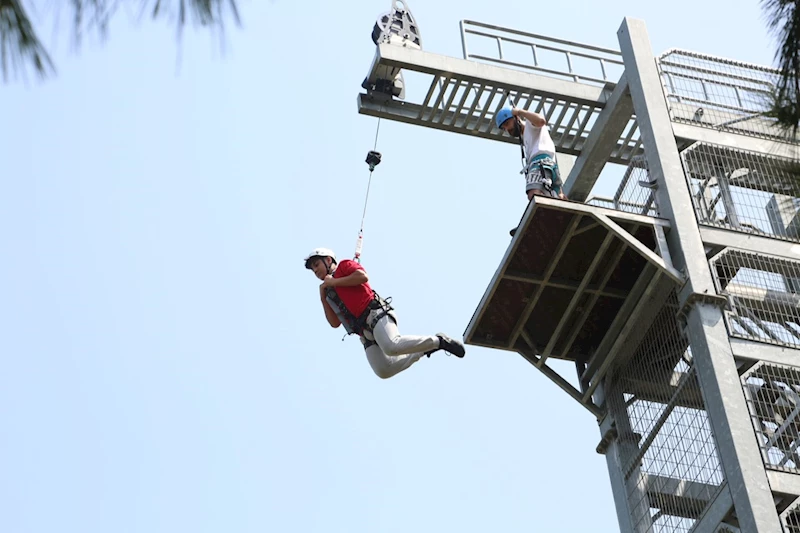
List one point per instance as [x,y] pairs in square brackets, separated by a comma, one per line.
[521,143]
[385,309]
[542,161]
[367,343]
[357,324]
[527,166]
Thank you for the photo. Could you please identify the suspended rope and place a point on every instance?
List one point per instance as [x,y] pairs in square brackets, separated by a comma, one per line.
[373,159]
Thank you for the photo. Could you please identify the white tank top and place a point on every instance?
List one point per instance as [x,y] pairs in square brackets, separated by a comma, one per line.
[537,141]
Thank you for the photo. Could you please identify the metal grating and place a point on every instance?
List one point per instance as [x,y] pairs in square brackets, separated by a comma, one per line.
[744,191]
[669,456]
[719,93]
[463,96]
[790,519]
[772,393]
[635,192]
[762,292]
[600,201]
[563,59]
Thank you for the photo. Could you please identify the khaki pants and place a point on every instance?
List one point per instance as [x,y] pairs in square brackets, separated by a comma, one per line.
[388,352]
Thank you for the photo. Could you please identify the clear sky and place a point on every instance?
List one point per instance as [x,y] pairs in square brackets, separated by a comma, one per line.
[166,365]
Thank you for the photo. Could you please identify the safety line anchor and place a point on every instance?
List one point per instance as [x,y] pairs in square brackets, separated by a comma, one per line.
[373,159]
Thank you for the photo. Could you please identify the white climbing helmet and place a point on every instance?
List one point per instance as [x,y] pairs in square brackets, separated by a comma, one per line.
[319,252]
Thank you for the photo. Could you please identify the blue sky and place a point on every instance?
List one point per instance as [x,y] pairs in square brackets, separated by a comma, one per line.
[166,365]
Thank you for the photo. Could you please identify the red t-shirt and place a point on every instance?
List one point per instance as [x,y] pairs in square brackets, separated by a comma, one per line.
[357,297]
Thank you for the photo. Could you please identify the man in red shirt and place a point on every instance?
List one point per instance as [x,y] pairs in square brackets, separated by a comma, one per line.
[348,300]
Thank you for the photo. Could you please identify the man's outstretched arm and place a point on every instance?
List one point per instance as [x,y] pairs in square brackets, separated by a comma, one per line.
[534,118]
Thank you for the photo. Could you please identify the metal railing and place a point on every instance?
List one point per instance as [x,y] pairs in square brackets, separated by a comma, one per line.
[578,62]
[635,192]
[774,403]
[744,191]
[763,294]
[790,519]
[719,93]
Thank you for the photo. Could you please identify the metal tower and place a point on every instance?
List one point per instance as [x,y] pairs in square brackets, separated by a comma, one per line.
[677,299]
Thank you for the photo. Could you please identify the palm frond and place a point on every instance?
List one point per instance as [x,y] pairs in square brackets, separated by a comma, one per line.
[783,107]
[19,43]
[92,14]
[783,19]
[202,12]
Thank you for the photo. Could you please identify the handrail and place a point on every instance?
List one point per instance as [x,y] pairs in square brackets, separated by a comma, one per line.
[537,43]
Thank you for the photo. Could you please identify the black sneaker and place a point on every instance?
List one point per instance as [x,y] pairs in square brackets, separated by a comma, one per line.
[452,346]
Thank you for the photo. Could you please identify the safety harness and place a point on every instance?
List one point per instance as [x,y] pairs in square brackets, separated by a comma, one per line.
[544,162]
[358,324]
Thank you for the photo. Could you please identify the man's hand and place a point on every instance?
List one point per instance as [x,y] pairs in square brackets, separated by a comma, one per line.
[534,118]
[327,282]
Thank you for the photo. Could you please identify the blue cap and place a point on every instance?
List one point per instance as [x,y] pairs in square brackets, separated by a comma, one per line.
[503,115]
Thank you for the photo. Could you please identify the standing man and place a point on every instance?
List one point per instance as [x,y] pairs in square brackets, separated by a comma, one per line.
[541,172]
[348,300]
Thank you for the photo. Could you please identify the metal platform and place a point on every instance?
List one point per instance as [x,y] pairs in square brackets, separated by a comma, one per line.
[463,97]
[709,98]
[575,282]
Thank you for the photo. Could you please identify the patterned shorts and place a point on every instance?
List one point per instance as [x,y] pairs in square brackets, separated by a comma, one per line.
[544,176]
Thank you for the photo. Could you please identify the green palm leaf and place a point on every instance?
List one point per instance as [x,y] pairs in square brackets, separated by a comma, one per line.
[20,46]
[783,19]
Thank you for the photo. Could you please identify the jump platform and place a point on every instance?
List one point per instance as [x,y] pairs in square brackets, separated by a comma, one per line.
[577,283]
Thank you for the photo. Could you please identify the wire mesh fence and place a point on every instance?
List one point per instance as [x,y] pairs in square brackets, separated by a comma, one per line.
[744,191]
[790,519]
[734,189]
[763,295]
[720,93]
[773,396]
[669,455]
[635,192]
